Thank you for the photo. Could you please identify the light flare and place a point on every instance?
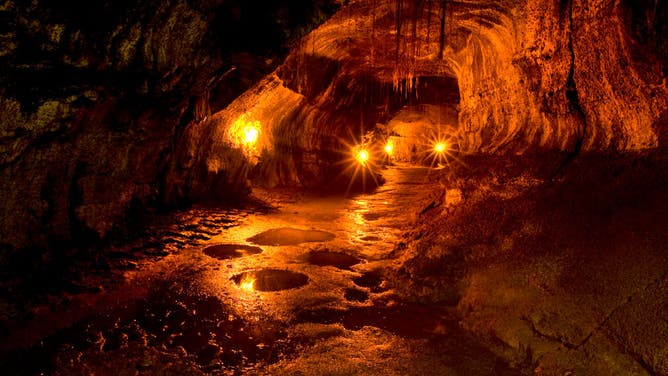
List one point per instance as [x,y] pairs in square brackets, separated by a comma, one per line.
[389,148]
[362,156]
[251,133]
[245,132]
[359,157]
[441,147]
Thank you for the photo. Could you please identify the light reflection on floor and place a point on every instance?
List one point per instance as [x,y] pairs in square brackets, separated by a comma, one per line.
[367,226]
[242,307]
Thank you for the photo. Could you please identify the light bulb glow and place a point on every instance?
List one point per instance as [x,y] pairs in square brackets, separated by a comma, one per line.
[362,156]
[389,148]
[251,134]
[245,132]
[440,147]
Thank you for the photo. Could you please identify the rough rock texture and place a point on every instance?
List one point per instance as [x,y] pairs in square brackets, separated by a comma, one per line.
[522,76]
[93,97]
[552,273]
[565,75]
[130,104]
[336,86]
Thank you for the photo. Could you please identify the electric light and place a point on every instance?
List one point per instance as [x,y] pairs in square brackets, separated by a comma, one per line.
[440,147]
[251,134]
[245,133]
[389,148]
[362,156]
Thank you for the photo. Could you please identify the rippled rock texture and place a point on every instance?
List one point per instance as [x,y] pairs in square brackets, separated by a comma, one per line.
[95,96]
[494,77]
[565,74]
[136,104]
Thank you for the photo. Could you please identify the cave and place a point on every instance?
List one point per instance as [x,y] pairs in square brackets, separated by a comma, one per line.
[334,187]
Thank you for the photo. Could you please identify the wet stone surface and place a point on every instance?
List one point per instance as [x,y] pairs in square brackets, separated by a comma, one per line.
[290,236]
[193,332]
[407,320]
[182,311]
[356,295]
[228,251]
[270,280]
[336,259]
[371,280]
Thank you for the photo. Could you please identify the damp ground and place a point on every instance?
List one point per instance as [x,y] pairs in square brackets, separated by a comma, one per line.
[495,266]
[303,288]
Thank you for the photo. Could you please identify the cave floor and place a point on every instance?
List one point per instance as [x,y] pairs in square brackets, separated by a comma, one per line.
[488,268]
[300,289]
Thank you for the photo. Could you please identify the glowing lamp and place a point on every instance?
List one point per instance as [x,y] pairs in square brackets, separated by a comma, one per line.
[440,147]
[389,148]
[251,134]
[362,156]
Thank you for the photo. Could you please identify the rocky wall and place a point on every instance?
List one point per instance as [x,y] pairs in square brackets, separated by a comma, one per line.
[95,95]
[561,75]
[524,77]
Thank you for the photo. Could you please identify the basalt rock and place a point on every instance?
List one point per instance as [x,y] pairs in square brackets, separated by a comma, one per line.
[94,96]
[124,105]
[493,77]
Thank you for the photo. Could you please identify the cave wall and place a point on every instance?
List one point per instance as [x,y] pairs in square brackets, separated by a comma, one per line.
[115,107]
[333,91]
[546,75]
[95,95]
[562,74]
[525,77]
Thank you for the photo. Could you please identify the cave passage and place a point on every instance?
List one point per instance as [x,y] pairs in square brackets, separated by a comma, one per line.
[334,187]
[251,297]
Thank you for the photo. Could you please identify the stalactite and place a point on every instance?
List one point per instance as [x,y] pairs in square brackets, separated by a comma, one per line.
[373,29]
[428,21]
[414,24]
[441,46]
[398,30]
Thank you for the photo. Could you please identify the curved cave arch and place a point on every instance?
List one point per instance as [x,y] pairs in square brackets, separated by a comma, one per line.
[550,234]
[523,84]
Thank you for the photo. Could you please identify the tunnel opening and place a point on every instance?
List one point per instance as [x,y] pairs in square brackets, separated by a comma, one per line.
[503,170]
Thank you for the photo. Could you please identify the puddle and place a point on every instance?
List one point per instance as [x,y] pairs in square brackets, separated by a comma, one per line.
[372,216]
[408,320]
[356,295]
[270,280]
[290,236]
[372,281]
[336,259]
[228,251]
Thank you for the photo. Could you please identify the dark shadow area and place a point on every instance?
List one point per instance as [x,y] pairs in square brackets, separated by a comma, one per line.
[170,330]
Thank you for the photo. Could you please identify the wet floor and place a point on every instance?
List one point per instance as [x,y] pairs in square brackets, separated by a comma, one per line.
[303,289]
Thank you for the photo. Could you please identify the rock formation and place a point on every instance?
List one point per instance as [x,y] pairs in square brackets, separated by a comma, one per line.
[94,99]
[115,108]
